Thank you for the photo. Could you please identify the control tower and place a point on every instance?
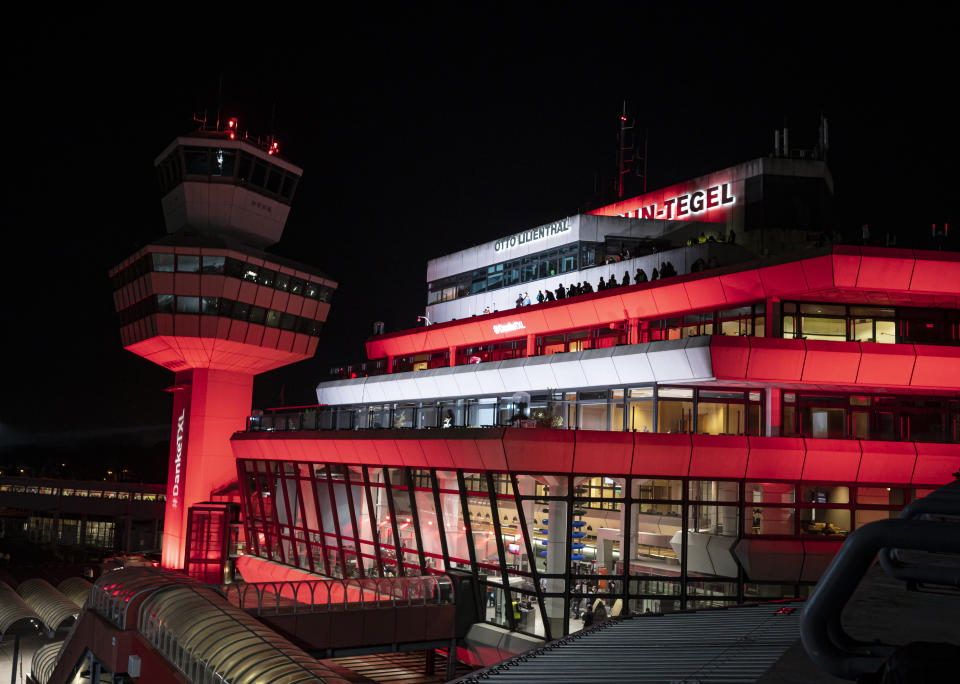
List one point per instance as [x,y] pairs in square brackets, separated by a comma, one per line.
[207,303]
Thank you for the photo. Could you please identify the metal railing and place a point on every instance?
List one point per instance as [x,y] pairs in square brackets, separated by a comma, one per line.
[322,595]
[823,635]
[940,505]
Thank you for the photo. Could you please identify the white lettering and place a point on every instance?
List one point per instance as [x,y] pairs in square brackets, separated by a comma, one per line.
[690,204]
[539,233]
[177,460]
[500,328]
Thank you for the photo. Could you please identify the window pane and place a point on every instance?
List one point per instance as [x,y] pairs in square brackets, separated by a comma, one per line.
[188,263]
[163,262]
[188,304]
[257,314]
[273,318]
[824,328]
[213,264]
[674,416]
[720,418]
[209,305]
[165,303]
[830,521]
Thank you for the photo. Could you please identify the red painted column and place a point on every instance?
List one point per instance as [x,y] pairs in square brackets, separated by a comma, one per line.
[531,345]
[772,410]
[212,405]
[389,363]
[453,356]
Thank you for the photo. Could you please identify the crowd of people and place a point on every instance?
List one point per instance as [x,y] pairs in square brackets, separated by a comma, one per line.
[666,270]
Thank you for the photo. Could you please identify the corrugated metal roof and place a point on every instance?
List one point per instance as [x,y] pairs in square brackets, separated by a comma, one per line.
[726,645]
[15,615]
[52,605]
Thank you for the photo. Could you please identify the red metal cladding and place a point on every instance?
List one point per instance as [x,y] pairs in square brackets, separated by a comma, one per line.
[936,464]
[411,453]
[783,279]
[742,287]
[602,452]
[885,365]
[661,455]
[936,272]
[705,293]
[818,272]
[465,454]
[719,456]
[831,362]
[936,367]
[885,269]
[539,450]
[775,458]
[671,298]
[831,460]
[729,357]
[491,451]
[437,452]
[887,462]
[776,359]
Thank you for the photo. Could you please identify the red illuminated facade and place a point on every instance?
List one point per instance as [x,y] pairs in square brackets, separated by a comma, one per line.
[207,303]
[697,440]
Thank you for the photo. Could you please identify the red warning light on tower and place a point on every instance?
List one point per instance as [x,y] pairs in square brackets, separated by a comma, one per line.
[232,126]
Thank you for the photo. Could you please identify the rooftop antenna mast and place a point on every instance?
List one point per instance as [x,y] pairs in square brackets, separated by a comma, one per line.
[625,149]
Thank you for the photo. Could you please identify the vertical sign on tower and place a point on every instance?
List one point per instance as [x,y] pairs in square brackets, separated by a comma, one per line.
[174,519]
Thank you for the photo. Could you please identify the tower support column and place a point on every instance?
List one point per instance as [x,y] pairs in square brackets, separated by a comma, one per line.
[208,407]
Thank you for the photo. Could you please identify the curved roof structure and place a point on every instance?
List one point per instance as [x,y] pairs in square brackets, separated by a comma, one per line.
[117,591]
[54,608]
[45,661]
[76,589]
[16,617]
[210,641]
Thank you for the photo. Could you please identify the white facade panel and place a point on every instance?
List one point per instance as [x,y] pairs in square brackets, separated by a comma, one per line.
[446,384]
[633,367]
[598,369]
[540,373]
[405,387]
[488,375]
[426,384]
[374,389]
[468,384]
[669,362]
[568,370]
[513,376]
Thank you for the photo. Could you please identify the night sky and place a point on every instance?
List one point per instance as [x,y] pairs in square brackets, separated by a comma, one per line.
[419,135]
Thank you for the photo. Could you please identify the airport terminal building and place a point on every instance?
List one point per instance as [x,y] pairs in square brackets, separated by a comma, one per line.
[698,439]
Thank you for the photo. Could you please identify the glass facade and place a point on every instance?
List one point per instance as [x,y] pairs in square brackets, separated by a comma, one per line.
[639,409]
[544,547]
[857,323]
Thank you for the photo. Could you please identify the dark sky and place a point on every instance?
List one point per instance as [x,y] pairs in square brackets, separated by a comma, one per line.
[419,135]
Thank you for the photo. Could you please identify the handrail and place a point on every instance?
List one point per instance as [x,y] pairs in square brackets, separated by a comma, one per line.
[294,597]
[943,502]
[823,636]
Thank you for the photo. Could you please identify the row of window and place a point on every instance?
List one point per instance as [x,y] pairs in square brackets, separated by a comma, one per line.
[218,265]
[638,409]
[566,259]
[214,164]
[219,306]
[871,416]
[83,493]
[531,537]
[745,320]
[713,411]
[854,323]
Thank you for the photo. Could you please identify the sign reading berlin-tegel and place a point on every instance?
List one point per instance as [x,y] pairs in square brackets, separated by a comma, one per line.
[531,235]
[687,204]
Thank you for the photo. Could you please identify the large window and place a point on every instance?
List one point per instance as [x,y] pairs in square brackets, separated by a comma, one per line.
[544,548]
[871,417]
[884,325]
